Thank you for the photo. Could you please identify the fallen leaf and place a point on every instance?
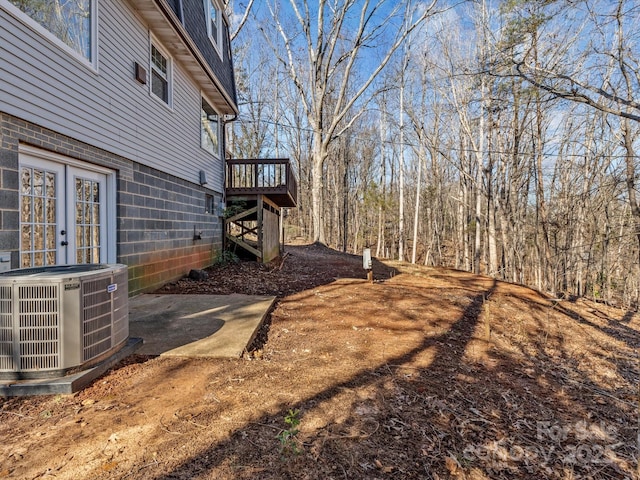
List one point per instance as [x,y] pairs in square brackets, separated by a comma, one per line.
[107,467]
[381,467]
[452,465]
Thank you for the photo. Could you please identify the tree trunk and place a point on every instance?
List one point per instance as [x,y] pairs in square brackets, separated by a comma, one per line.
[345,201]
[317,183]
[401,171]
[416,215]
[382,194]
[630,171]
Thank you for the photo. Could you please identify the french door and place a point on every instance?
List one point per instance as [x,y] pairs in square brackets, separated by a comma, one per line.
[63,213]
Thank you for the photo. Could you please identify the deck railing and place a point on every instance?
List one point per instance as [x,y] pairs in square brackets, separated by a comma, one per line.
[270,177]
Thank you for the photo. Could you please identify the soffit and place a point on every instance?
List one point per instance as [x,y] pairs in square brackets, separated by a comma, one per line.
[172,35]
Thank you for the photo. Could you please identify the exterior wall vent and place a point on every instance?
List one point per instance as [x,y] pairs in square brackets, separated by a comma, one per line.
[61,318]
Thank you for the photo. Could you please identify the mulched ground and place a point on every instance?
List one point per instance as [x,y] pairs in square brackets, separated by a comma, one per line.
[301,268]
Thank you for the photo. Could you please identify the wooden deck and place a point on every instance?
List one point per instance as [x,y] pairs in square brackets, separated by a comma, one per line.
[257,191]
[273,178]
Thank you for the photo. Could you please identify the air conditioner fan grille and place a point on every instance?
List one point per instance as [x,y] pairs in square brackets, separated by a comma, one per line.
[38,327]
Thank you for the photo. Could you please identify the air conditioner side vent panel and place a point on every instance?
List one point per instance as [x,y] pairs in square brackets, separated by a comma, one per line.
[7,360]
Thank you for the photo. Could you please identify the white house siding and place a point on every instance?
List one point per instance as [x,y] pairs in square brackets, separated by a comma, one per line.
[43,84]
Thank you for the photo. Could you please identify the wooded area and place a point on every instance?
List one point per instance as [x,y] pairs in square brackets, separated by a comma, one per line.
[494,137]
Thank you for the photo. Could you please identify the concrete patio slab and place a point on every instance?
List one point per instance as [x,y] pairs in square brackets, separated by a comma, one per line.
[197,325]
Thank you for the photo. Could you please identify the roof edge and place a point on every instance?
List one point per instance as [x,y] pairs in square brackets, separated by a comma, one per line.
[184,36]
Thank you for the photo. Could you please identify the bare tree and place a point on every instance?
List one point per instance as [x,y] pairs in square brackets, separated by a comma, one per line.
[595,63]
[229,8]
[334,36]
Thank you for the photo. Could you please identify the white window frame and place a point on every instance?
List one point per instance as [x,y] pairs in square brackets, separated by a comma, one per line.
[216,153]
[217,40]
[53,39]
[153,43]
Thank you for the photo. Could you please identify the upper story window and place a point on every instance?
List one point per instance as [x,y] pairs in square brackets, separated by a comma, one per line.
[214,23]
[160,74]
[73,23]
[209,129]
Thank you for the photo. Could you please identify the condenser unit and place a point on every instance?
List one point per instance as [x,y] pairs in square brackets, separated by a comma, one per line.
[61,318]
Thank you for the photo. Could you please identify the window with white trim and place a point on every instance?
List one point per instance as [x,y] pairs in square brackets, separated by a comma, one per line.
[214,23]
[72,23]
[160,74]
[209,129]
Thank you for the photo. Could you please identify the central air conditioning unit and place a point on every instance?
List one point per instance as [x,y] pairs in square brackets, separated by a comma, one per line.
[61,318]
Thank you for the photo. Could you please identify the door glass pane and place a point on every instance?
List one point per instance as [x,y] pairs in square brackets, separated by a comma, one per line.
[26,181]
[87,190]
[26,209]
[51,211]
[96,214]
[25,239]
[38,236]
[51,238]
[51,185]
[37,182]
[38,209]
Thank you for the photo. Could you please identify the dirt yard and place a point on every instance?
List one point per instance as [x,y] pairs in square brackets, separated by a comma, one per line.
[425,374]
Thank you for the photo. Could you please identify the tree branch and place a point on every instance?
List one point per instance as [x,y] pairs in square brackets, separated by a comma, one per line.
[576,96]
[245,16]
[342,106]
